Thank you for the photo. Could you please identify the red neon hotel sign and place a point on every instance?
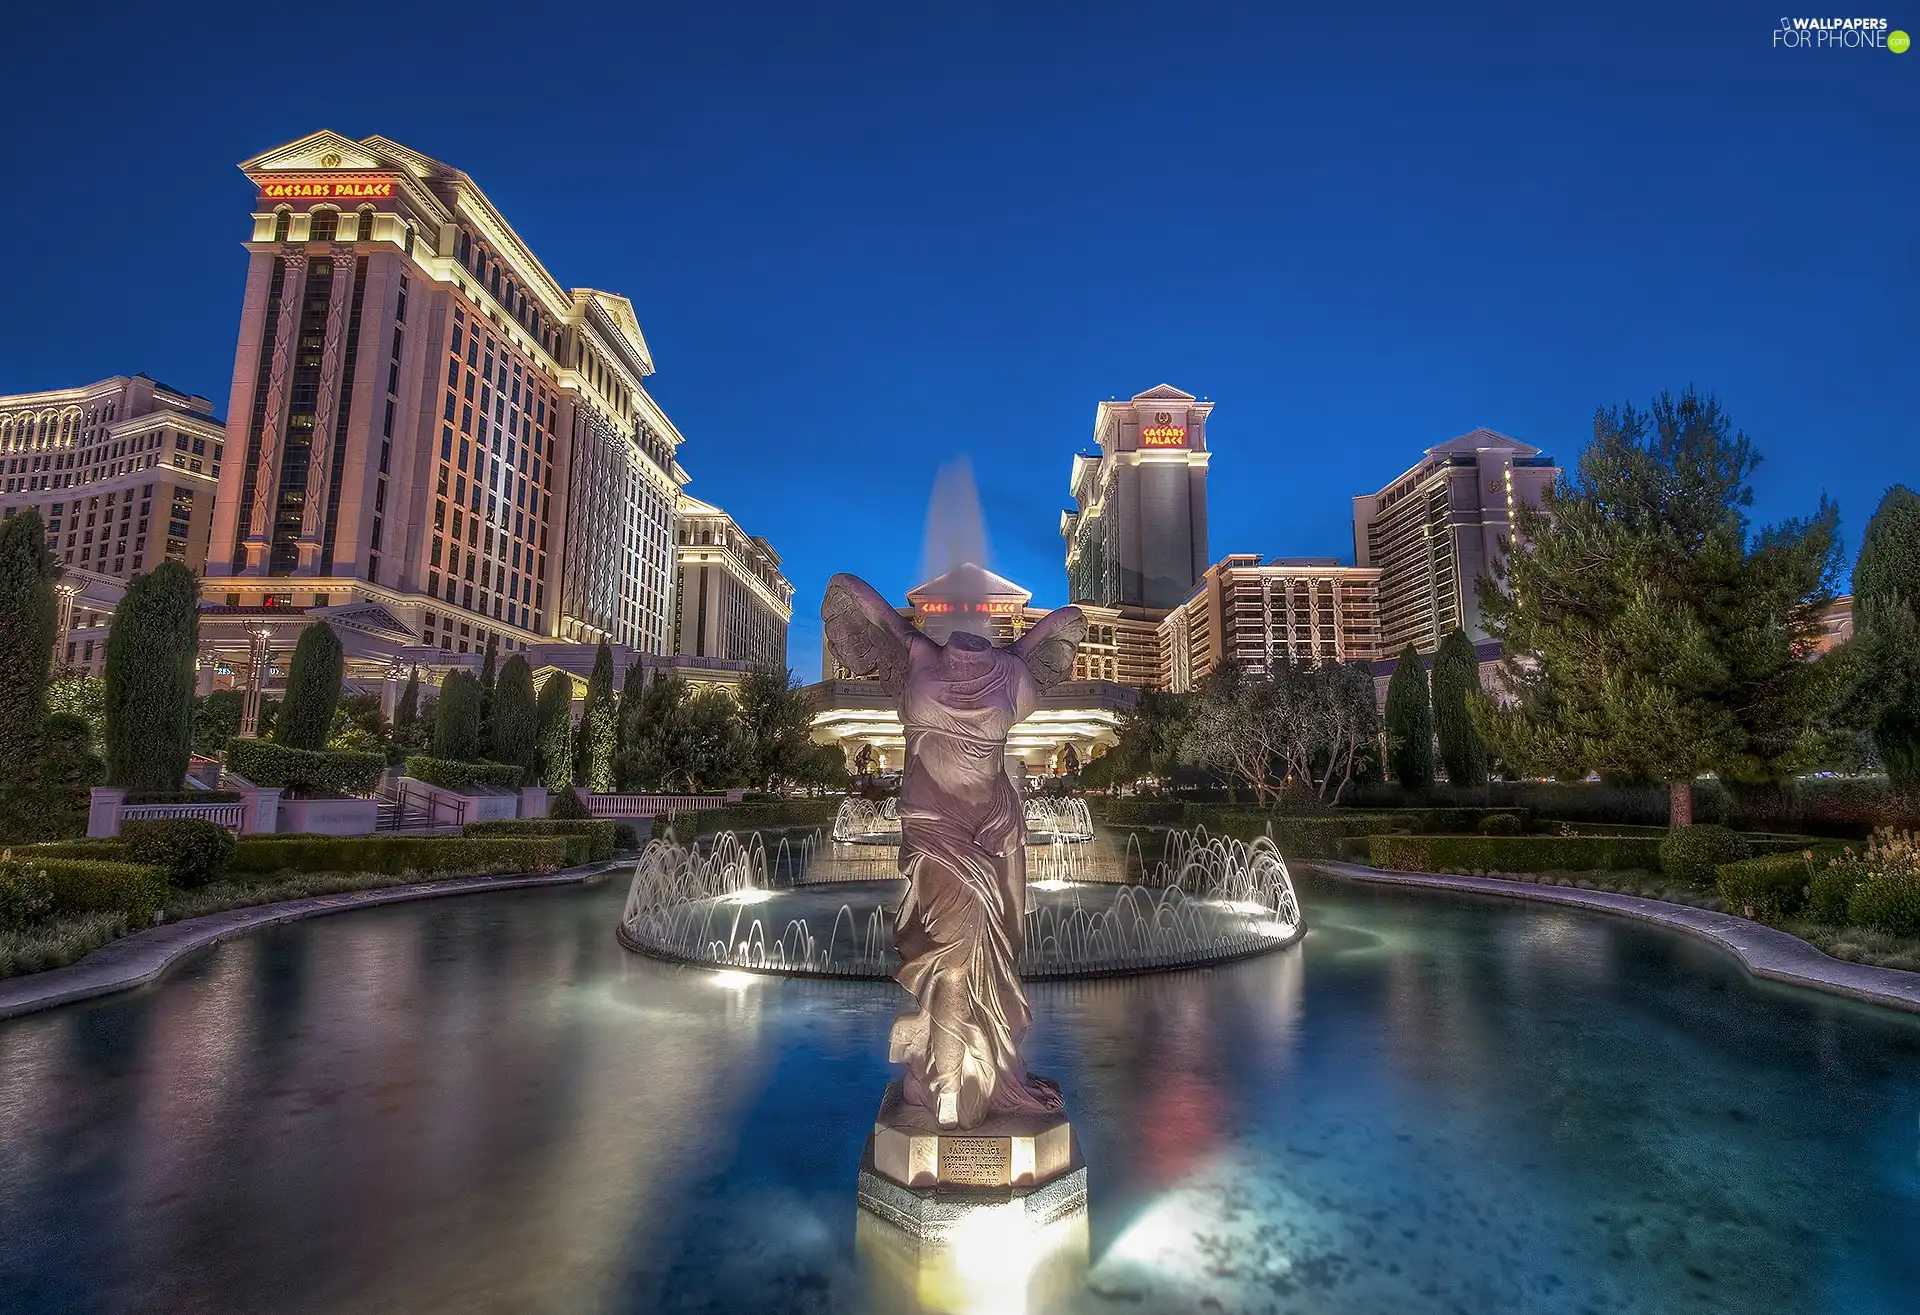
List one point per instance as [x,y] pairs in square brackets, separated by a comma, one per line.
[345,187]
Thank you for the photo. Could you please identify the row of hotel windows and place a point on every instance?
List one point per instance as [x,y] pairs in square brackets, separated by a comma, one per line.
[189,455]
[498,476]
[103,530]
[323,225]
[23,431]
[491,274]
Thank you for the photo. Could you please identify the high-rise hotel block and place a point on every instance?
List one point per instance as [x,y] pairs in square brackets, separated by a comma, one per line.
[1434,531]
[422,417]
[733,604]
[1262,614]
[1137,534]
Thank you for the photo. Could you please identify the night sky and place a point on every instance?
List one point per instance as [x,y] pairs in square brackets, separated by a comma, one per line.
[865,241]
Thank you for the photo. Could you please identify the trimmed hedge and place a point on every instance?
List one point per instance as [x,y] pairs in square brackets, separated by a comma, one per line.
[75,886]
[587,842]
[747,817]
[1502,824]
[1769,888]
[394,855]
[1693,854]
[191,850]
[1218,818]
[314,772]
[466,777]
[626,837]
[1512,853]
[106,851]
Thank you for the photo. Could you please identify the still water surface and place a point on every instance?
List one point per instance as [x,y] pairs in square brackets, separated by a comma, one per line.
[1432,1104]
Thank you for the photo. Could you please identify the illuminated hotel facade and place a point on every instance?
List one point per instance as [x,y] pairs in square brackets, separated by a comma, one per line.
[1136,536]
[733,604]
[423,422]
[1262,613]
[1435,530]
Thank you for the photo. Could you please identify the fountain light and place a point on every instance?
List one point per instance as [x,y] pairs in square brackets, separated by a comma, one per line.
[750,895]
[732,979]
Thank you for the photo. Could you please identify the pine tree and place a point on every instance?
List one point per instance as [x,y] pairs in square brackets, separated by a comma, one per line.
[313,689]
[150,680]
[1456,682]
[1886,646]
[554,711]
[1649,634]
[28,616]
[597,731]
[516,720]
[456,720]
[1409,723]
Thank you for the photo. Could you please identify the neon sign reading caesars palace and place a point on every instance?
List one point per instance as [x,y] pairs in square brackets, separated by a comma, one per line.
[937,607]
[329,189]
[1163,432]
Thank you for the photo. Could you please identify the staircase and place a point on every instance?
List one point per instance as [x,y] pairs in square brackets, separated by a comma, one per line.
[399,811]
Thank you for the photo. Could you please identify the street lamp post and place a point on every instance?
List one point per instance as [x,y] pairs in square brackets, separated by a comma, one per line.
[65,593]
[259,648]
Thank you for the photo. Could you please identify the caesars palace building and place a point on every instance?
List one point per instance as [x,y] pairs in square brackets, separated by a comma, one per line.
[430,444]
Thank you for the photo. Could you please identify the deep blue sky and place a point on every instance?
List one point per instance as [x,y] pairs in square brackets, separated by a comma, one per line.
[863,241]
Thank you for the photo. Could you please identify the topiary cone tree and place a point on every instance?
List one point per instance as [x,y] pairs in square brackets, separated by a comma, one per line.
[313,689]
[456,721]
[488,679]
[1409,723]
[554,711]
[516,718]
[149,679]
[598,734]
[1886,611]
[1456,681]
[28,616]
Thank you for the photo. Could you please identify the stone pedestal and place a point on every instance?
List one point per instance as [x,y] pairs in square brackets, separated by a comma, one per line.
[1007,1151]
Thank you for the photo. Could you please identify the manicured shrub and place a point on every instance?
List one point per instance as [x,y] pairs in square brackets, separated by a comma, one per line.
[488,678]
[516,718]
[1514,853]
[192,851]
[110,851]
[1770,887]
[23,895]
[1831,889]
[456,723]
[1501,824]
[76,885]
[321,774]
[626,837]
[595,838]
[569,806]
[26,650]
[598,733]
[395,855]
[1692,854]
[150,679]
[554,709]
[463,776]
[1883,884]
[313,689]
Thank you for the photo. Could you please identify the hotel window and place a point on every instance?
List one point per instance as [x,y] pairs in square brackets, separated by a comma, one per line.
[282,220]
[323,225]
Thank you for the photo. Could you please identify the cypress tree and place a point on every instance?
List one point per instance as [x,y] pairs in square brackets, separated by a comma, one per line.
[313,689]
[150,683]
[456,721]
[406,713]
[28,616]
[1456,678]
[554,711]
[1886,590]
[597,731]
[488,679]
[516,720]
[632,690]
[1409,723]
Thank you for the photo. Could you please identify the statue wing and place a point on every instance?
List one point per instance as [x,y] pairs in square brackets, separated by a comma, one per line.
[1047,649]
[865,633]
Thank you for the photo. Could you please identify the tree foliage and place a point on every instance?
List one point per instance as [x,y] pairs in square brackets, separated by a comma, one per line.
[1456,684]
[150,680]
[412,730]
[27,619]
[313,689]
[1409,722]
[554,713]
[594,768]
[489,678]
[1649,635]
[1883,688]
[777,725]
[456,722]
[216,720]
[516,718]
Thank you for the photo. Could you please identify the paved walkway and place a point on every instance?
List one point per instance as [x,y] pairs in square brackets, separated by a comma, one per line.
[1764,951]
[144,956]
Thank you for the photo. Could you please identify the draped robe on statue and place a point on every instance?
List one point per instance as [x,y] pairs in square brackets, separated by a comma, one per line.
[962,850]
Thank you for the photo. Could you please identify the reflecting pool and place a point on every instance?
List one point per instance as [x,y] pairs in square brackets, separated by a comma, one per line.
[1432,1103]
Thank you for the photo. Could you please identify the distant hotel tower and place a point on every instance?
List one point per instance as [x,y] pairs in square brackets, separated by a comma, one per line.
[734,605]
[1137,535]
[1434,531]
[423,419]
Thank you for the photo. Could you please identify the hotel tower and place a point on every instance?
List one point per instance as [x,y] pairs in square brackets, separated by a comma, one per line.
[424,423]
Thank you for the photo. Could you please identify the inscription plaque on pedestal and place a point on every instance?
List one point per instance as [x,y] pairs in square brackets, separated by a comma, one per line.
[976,1161]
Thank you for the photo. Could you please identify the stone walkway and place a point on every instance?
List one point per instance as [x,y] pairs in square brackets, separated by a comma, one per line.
[1764,951]
[144,956]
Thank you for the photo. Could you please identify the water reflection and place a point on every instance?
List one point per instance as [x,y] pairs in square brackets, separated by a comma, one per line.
[486,1105]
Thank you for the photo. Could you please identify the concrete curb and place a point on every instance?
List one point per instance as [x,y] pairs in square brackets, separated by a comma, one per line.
[145,956]
[1763,951]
